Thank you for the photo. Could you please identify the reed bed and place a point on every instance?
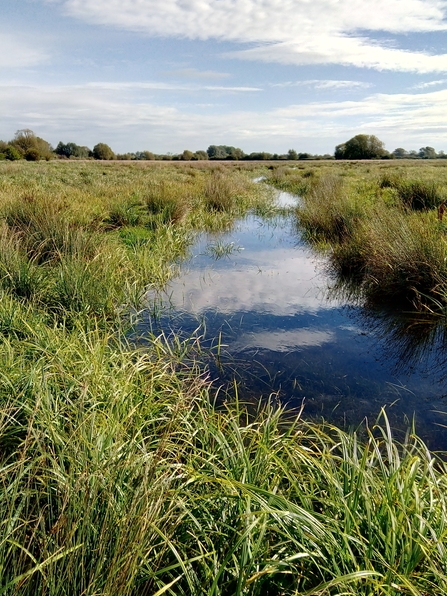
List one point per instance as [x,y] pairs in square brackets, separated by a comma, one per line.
[119,476]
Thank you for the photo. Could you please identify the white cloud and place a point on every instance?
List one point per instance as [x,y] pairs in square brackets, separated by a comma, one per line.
[329,84]
[129,119]
[286,31]
[18,52]
[429,84]
[194,73]
[161,86]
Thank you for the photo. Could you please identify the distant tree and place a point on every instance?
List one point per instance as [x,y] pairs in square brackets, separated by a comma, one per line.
[24,139]
[304,156]
[187,155]
[400,153]
[216,152]
[32,154]
[11,153]
[442,155]
[72,150]
[103,151]
[361,147]
[201,155]
[224,152]
[234,153]
[427,153]
[292,154]
[148,155]
[260,156]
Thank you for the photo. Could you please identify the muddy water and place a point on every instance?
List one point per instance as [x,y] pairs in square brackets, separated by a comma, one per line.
[264,307]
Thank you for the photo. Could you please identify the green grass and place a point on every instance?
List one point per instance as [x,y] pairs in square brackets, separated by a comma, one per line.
[379,225]
[118,476]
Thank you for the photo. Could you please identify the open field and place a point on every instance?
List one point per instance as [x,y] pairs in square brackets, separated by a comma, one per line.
[118,477]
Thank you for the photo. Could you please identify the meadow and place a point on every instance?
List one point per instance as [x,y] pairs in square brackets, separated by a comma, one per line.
[118,474]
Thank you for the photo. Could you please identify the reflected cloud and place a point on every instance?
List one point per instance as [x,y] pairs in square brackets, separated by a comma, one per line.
[280,282]
[284,341]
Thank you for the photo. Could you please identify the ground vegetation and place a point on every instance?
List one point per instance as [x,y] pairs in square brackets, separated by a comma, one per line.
[119,476]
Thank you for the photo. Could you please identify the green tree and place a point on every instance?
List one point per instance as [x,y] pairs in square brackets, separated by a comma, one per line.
[427,153]
[24,139]
[292,154]
[201,155]
[361,147]
[32,154]
[103,151]
[400,153]
[187,155]
[216,152]
[72,150]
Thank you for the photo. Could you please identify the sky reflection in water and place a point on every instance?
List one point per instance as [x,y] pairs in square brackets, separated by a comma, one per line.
[281,333]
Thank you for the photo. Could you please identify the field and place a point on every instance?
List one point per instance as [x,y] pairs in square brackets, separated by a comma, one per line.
[118,476]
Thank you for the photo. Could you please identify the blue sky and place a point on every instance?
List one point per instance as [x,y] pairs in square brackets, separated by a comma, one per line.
[263,75]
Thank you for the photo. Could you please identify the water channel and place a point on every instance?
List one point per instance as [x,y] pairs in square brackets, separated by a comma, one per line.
[267,312]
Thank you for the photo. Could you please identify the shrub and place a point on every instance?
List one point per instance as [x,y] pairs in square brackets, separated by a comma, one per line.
[32,155]
[12,154]
[103,151]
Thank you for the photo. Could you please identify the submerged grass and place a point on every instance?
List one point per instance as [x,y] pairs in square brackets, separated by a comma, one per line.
[118,477]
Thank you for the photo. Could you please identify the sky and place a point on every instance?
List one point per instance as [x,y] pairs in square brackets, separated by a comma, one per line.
[262,75]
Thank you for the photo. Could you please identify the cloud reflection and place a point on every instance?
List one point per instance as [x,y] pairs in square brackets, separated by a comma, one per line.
[279,282]
[284,341]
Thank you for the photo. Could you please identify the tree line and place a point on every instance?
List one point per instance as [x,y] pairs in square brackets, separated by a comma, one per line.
[27,145]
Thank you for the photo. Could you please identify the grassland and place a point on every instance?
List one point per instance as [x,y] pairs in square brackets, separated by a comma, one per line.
[118,477]
[380,225]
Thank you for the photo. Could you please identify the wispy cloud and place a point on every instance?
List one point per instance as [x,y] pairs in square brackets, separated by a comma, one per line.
[194,73]
[18,52]
[329,84]
[291,32]
[430,84]
[162,86]
[128,120]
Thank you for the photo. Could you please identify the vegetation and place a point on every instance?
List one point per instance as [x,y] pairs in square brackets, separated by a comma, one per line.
[26,145]
[118,476]
[381,226]
[361,147]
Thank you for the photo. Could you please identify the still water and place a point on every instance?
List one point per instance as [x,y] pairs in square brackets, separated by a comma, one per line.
[268,315]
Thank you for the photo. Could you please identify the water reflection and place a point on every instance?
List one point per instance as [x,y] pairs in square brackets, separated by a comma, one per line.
[279,328]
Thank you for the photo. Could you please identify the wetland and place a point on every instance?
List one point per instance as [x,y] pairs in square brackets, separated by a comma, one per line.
[161,327]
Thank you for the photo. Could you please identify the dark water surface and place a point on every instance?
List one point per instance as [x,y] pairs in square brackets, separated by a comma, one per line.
[262,301]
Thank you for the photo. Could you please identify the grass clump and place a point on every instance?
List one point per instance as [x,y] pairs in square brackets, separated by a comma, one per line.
[168,202]
[329,212]
[417,194]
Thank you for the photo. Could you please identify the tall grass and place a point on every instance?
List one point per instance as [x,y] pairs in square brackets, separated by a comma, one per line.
[391,245]
[118,476]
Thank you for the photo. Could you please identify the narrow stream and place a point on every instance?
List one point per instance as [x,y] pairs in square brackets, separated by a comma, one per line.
[264,305]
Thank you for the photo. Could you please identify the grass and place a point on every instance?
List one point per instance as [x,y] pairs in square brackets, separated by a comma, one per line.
[379,224]
[118,476]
